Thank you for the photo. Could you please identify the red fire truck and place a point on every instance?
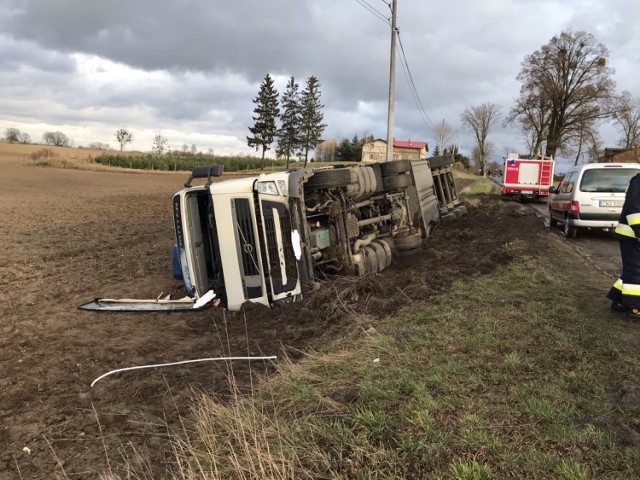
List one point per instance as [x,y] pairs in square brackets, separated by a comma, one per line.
[527,178]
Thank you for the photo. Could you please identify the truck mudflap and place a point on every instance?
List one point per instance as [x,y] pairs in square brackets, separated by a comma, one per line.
[149,305]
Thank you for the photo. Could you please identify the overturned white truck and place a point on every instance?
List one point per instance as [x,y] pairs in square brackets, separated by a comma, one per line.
[268,238]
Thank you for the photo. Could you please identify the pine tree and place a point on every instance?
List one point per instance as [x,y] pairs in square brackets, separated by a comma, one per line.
[289,132]
[264,128]
[311,126]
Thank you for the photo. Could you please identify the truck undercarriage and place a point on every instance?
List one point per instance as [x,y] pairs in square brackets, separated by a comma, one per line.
[269,239]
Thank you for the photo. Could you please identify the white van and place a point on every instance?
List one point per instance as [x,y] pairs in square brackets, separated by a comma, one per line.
[590,196]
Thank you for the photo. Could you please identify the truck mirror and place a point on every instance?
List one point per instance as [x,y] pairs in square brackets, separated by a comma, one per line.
[205,171]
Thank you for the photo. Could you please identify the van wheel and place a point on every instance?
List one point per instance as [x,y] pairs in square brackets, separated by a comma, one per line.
[569,230]
[552,221]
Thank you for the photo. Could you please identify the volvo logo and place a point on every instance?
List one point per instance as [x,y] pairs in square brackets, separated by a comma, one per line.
[248,248]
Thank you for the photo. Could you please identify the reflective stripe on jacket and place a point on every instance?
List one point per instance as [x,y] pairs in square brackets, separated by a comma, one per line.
[629,222]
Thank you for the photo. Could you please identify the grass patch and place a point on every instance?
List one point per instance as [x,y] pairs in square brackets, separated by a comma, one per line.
[513,374]
[476,392]
[474,187]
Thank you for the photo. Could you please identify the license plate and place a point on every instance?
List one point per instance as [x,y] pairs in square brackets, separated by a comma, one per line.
[611,203]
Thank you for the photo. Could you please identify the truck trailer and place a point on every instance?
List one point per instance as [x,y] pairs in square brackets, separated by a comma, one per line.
[267,239]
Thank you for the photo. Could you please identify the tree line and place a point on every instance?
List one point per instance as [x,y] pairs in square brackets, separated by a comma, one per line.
[567,91]
[293,119]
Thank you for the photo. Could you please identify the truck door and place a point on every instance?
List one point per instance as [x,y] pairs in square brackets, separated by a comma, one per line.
[529,174]
[281,264]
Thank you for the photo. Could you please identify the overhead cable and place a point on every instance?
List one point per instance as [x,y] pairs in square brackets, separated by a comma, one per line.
[412,85]
[374,11]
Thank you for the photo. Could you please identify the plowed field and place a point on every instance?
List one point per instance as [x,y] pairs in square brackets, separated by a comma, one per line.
[69,236]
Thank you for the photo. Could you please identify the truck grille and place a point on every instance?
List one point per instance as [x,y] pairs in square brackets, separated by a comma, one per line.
[269,211]
[246,237]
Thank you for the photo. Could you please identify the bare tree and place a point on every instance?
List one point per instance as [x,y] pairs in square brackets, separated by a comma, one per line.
[159,144]
[581,140]
[123,136]
[480,120]
[443,134]
[24,137]
[57,139]
[565,85]
[326,150]
[533,115]
[480,163]
[12,135]
[99,146]
[626,116]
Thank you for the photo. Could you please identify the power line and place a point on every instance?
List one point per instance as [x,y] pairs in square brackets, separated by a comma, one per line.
[404,62]
[413,94]
[373,10]
[412,85]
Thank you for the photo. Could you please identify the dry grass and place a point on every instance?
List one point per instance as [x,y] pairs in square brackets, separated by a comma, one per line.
[61,157]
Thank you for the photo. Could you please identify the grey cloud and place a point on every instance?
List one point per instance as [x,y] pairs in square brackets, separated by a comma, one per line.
[253,36]
[215,54]
[15,54]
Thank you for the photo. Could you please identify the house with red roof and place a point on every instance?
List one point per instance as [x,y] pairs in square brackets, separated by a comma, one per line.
[376,150]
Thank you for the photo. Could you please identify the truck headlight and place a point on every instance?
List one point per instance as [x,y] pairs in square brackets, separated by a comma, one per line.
[268,188]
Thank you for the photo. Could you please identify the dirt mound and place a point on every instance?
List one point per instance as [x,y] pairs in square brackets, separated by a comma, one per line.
[73,235]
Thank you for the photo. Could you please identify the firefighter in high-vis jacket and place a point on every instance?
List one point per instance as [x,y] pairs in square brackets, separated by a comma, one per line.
[625,293]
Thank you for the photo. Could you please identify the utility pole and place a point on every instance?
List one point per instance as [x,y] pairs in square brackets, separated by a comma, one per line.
[392,81]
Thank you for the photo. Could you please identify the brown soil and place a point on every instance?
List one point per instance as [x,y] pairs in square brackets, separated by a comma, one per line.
[69,236]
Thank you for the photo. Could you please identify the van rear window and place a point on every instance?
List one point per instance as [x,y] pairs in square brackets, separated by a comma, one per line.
[607,179]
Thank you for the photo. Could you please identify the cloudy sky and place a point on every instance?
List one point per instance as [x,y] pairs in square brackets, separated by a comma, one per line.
[190,68]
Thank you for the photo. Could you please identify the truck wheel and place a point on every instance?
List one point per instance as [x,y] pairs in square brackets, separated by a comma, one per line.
[378,174]
[408,243]
[394,167]
[397,181]
[569,230]
[338,177]
[381,253]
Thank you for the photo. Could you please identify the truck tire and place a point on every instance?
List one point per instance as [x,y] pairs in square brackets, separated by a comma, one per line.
[394,167]
[383,260]
[408,243]
[439,162]
[338,177]
[378,174]
[397,181]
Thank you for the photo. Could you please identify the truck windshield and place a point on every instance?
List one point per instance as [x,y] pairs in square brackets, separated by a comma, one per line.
[614,180]
[201,244]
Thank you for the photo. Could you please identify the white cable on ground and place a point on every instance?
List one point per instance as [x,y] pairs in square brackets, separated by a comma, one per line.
[158,365]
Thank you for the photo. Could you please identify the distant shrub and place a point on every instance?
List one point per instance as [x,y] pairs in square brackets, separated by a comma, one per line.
[43,153]
[459,167]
